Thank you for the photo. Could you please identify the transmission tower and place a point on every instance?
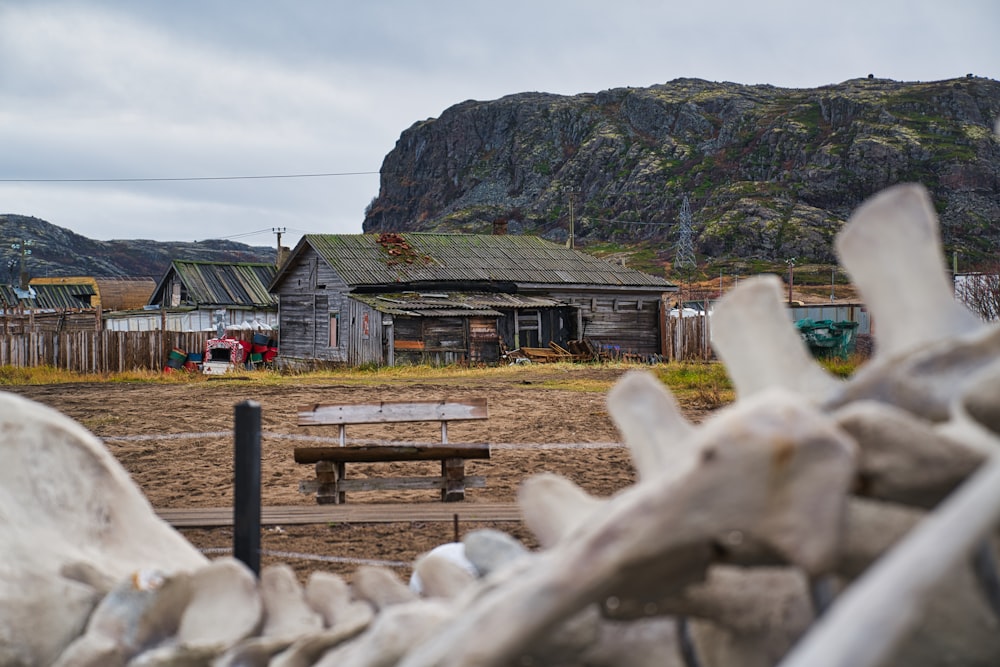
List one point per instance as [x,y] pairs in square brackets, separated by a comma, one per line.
[684,256]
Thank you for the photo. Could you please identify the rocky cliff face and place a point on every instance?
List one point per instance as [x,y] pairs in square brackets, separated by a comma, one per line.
[771,173]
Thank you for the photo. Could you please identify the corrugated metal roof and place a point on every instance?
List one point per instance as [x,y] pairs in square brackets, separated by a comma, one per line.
[226,284]
[54,297]
[379,259]
[451,304]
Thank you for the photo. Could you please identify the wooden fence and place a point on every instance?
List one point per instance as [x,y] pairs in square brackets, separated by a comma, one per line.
[97,351]
[687,339]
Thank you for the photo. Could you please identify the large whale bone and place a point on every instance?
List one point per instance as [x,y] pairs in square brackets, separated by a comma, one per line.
[784,469]
[70,520]
[753,335]
[873,616]
[928,344]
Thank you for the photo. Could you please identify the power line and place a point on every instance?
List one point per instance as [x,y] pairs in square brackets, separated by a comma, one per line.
[182,178]
[588,218]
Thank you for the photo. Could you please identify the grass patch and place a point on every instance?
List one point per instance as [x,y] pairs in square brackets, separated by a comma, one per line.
[702,384]
[843,368]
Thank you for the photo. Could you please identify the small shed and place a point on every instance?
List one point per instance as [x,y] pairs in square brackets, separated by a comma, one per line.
[454,298]
[200,290]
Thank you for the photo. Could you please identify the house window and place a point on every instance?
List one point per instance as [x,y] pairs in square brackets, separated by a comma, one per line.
[334,329]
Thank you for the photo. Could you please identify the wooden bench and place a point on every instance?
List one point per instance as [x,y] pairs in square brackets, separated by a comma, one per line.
[331,484]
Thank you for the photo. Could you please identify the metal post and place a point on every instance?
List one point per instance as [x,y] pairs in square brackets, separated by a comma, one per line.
[246,485]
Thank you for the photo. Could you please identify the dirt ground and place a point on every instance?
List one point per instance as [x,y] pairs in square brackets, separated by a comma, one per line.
[176,442]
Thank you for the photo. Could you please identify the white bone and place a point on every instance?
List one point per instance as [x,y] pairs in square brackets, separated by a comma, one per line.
[225,606]
[874,614]
[654,450]
[395,632]
[380,587]
[67,508]
[330,596]
[973,418]
[307,650]
[444,571]
[892,250]
[903,458]
[753,335]
[553,507]
[491,550]
[287,614]
[927,380]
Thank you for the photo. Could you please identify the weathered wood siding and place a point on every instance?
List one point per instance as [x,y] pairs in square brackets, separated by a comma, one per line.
[364,333]
[445,340]
[97,351]
[537,327]
[629,321]
[484,341]
[311,293]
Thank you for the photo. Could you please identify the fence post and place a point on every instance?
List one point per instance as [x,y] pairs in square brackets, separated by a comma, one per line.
[246,485]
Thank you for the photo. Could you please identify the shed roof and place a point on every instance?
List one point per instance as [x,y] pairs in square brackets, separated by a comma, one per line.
[111,293]
[386,259]
[221,283]
[50,296]
[451,304]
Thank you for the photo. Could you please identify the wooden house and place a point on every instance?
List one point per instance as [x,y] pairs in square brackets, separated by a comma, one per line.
[195,296]
[445,298]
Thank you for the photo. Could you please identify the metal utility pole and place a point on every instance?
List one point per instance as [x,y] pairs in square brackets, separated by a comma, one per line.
[25,249]
[684,255]
[791,278]
[571,241]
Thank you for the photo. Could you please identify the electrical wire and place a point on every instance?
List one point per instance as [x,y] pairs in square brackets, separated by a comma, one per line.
[182,178]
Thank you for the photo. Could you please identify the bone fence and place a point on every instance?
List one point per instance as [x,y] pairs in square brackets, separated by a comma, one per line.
[97,351]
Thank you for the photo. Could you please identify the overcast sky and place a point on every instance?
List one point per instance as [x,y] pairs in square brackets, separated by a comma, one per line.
[146,89]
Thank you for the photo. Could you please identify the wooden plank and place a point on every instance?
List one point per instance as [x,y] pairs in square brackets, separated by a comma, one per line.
[310,486]
[385,412]
[408,344]
[291,515]
[383,453]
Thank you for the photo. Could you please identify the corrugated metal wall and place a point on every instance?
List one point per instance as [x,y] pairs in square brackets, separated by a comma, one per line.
[849,312]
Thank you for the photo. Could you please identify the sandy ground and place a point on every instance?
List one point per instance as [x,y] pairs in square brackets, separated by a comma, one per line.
[176,442]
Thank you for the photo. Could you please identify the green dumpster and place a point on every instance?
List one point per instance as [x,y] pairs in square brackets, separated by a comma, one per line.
[827,338]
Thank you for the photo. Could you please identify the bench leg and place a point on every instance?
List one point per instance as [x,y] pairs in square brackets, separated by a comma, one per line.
[328,475]
[453,471]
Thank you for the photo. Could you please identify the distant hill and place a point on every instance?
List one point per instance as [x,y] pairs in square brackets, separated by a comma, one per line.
[772,173]
[56,251]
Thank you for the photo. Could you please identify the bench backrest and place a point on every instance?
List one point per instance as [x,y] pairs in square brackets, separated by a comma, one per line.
[386,412]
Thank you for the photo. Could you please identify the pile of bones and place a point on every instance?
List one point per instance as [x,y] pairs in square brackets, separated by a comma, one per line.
[815,521]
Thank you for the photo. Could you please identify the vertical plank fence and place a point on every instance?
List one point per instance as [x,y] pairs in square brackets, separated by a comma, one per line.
[687,339]
[97,351]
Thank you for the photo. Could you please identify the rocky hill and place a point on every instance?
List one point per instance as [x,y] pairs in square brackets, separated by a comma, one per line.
[56,251]
[771,173]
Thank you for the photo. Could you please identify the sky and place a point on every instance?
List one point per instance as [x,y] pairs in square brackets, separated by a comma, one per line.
[197,119]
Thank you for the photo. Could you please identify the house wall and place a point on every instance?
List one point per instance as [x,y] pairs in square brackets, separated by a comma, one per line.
[627,320]
[537,327]
[365,334]
[445,340]
[310,295]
